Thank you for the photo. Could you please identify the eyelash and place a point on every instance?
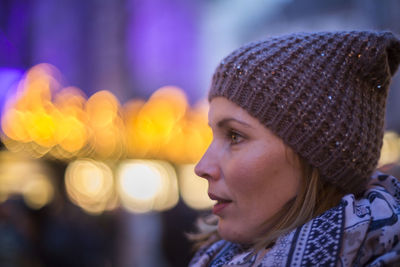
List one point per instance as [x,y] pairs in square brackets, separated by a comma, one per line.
[230,135]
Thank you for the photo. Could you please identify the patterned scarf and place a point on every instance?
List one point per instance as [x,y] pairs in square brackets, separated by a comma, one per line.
[357,232]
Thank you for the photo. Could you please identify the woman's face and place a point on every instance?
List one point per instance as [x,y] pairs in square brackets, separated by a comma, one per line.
[251,173]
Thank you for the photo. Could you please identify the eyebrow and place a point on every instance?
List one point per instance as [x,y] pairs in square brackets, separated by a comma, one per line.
[222,123]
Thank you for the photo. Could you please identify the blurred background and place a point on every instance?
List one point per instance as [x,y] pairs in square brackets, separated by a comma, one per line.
[104,114]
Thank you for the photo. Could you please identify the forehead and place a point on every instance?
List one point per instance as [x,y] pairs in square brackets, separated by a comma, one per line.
[222,108]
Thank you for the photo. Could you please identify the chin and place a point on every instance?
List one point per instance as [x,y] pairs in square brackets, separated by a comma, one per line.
[229,233]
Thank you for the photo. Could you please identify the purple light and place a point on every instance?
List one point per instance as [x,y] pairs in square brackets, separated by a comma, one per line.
[8,83]
[162,45]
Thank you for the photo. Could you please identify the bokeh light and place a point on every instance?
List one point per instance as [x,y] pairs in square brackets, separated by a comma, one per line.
[146,185]
[390,152]
[193,188]
[26,177]
[45,119]
[37,191]
[105,124]
[90,185]
[71,133]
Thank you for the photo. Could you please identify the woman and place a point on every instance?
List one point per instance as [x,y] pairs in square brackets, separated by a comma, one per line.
[297,125]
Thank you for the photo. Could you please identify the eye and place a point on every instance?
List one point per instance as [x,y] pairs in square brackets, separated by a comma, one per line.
[234,137]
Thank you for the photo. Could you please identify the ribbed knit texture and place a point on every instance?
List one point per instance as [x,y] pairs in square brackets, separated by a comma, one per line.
[323,93]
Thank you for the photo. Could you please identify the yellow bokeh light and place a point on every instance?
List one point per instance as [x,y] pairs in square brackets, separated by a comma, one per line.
[38,191]
[90,185]
[106,124]
[102,108]
[193,188]
[390,152]
[42,128]
[157,119]
[171,100]
[36,89]
[135,146]
[41,113]
[27,177]
[14,125]
[169,196]
[47,119]
[71,101]
[145,185]
[71,133]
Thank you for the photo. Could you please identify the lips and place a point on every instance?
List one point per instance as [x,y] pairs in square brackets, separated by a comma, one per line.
[221,204]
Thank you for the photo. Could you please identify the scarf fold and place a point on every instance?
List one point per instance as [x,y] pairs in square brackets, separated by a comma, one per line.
[357,232]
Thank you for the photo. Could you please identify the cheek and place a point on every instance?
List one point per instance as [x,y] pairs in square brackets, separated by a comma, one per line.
[264,178]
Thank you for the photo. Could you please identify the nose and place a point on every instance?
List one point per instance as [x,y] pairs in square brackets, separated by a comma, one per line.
[207,167]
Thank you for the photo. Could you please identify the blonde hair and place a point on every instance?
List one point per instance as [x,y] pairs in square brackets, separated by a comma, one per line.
[314,197]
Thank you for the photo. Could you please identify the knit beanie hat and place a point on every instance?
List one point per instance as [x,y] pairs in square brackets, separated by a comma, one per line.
[323,93]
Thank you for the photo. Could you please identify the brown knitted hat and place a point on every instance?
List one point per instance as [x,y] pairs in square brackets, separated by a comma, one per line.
[323,93]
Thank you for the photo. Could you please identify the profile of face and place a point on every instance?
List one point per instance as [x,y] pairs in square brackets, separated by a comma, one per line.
[251,173]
